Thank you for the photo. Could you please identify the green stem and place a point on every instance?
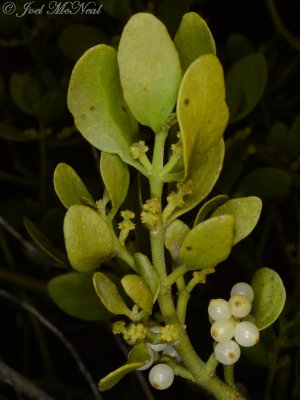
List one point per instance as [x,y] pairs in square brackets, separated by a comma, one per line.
[229,374]
[175,275]
[291,39]
[191,360]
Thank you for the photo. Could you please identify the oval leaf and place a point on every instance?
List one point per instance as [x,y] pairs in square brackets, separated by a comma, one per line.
[201,109]
[149,69]
[96,101]
[75,294]
[245,83]
[174,237]
[148,273]
[136,288]
[203,176]
[69,187]
[246,212]
[193,39]
[269,297]
[115,176]
[25,91]
[208,243]
[44,243]
[265,182]
[209,207]
[88,238]
[109,294]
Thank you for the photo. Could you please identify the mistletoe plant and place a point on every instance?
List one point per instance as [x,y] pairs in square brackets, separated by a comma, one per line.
[175,88]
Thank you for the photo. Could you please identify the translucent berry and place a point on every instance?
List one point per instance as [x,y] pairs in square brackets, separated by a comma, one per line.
[219,309]
[150,362]
[161,376]
[240,305]
[171,352]
[244,289]
[222,330]
[227,352]
[246,334]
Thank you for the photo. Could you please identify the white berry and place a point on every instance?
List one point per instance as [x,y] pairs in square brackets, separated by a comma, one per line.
[227,352]
[222,330]
[150,362]
[240,305]
[171,352]
[219,309]
[244,289]
[246,334]
[161,376]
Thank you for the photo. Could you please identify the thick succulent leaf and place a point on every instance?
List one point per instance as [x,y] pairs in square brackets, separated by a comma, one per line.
[277,138]
[293,142]
[75,294]
[203,175]
[114,377]
[69,187]
[148,273]
[208,243]
[269,297]
[138,290]
[88,238]
[109,294]
[193,39]
[139,353]
[201,109]
[174,237]
[149,69]
[246,212]
[96,101]
[44,243]
[245,83]
[115,176]
[209,206]
[266,183]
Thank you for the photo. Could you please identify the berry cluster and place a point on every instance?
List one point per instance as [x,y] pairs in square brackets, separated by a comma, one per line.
[232,319]
[161,376]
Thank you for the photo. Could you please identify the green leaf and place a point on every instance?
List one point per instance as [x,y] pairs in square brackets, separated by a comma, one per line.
[44,243]
[75,294]
[266,183]
[193,39]
[109,294]
[148,273]
[246,212]
[96,101]
[238,46]
[138,290]
[69,187]
[245,84]
[201,109]
[208,243]
[171,19]
[137,357]
[203,176]
[25,91]
[209,207]
[114,377]
[149,69]
[116,178]
[88,238]
[86,37]
[174,237]
[277,137]
[269,297]
[120,9]
[51,106]
[293,140]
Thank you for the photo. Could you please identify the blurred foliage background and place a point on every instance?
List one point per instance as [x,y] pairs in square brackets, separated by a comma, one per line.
[258,43]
